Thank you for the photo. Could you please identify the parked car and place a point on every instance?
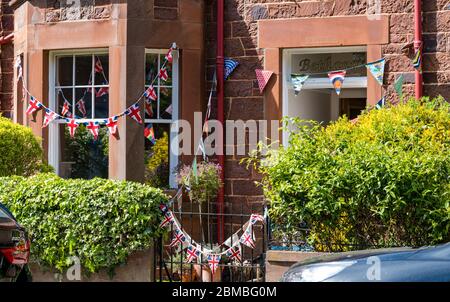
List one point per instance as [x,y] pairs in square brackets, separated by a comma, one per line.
[428,264]
[14,249]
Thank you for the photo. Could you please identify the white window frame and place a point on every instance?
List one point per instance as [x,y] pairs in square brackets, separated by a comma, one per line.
[173,135]
[315,83]
[54,148]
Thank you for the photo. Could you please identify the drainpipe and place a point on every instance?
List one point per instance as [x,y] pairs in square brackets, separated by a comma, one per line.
[418,45]
[220,116]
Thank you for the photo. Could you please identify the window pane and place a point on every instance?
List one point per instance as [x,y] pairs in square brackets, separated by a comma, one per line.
[63,95]
[83,105]
[165,103]
[151,113]
[82,156]
[64,71]
[102,102]
[151,68]
[83,70]
[157,157]
[101,70]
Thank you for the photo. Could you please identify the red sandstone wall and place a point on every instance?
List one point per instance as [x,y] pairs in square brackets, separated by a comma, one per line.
[6,60]
[243,99]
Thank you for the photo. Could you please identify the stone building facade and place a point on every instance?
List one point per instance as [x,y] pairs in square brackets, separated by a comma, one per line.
[258,34]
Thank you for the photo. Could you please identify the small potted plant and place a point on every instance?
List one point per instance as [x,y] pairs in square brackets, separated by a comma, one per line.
[202,182]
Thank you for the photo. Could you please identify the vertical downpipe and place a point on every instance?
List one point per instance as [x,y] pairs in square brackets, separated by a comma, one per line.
[418,44]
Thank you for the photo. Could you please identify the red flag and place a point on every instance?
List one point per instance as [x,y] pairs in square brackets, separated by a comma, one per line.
[169,56]
[263,77]
[102,91]
[148,108]
[81,107]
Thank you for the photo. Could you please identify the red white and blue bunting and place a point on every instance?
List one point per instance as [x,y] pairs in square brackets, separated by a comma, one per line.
[93,125]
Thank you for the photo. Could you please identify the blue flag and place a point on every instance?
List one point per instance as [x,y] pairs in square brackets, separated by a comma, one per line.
[230,66]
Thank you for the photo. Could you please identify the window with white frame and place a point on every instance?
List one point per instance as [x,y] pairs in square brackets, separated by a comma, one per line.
[317,99]
[79,88]
[161,116]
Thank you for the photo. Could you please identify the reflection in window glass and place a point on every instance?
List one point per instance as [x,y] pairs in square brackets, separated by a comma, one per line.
[157,157]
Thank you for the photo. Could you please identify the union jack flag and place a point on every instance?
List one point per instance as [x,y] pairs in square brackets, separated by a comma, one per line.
[81,107]
[134,113]
[111,123]
[255,218]
[193,253]
[163,74]
[168,219]
[150,93]
[34,106]
[93,128]
[213,262]
[234,253]
[49,117]
[148,108]
[73,125]
[102,91]
[66,108]
[169,56]
[163,208]
[179,239]
[98,66]
[247,239]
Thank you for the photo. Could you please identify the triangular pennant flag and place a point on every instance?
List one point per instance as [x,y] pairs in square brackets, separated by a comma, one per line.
[150,93]
[248,238]
[163,74]
[111,123]
[234,253]
[18,66]
[417,61]
[81,107]
[49,117]
[255,218]
[134,113]
[168,219]
[192,253]
[380,103]
[298,81]
[66,108]
[232,240]
[229,65]
[169,56]
[149,133]
[33,106]
[398,85]
[263,77]
[377,69]
[93,128]
[98,66]
[148,108]
[169,109]
[213,262]
[201,146]
[337,79]
[73,125]
[102,91]
[179,239]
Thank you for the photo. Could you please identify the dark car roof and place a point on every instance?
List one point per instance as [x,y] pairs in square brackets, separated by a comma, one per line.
[441,252]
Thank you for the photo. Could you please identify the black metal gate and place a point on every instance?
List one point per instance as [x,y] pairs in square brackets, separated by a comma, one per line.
[200,222]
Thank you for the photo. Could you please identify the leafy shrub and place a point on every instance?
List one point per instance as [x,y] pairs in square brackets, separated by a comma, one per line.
[383,181]
[20,150]
[203,186]
[157,167]
[90,157]
[100,221]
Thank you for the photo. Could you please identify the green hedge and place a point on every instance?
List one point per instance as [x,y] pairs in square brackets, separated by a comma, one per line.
[100,221]
[20,150]
[383,181]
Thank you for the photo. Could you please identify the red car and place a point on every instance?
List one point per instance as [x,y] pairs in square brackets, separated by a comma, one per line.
[14,249]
